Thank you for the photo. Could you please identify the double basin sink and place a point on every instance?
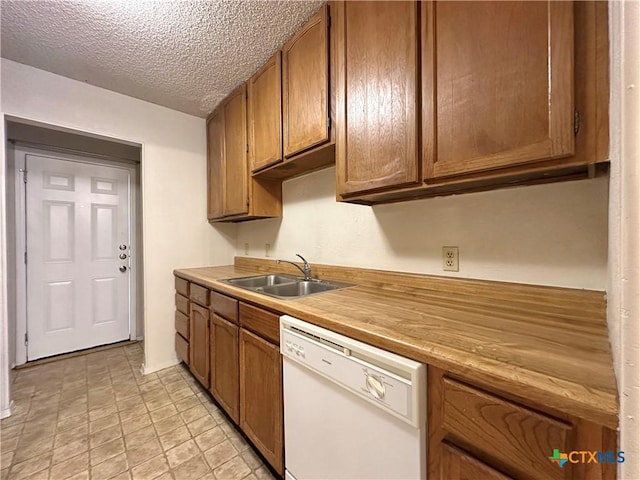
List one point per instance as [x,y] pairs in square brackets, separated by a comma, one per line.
[285,286]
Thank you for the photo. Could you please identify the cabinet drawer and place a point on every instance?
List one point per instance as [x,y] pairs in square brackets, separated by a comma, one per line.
[182,349]
[224,306]
[262,322]
[502,430]
[182,324]
[182,304]
[199,294]
[182,286]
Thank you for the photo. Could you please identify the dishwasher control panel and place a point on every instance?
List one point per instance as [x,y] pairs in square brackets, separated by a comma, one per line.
[393,383]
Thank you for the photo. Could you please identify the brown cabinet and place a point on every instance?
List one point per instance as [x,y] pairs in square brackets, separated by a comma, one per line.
[224,365]
[264,102]
[305,86]
[378,114]
[502,86]
[475,432]
[183,310]
[232,194]
[261,405]
[199,343]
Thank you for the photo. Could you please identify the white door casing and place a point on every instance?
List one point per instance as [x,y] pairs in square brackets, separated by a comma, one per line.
[78,215]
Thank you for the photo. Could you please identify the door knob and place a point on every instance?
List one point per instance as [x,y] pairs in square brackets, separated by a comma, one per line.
[122,247]
[122,256]
[123,268]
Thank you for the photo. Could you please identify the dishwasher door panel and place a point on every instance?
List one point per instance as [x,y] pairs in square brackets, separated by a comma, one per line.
[331,433]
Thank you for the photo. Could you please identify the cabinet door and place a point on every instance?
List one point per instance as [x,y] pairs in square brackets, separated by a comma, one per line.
[497,84]
[236,191]
[215,165]
[305,86]
[261,405]
[457,465]
[264,102]
[377,96]
[224,365]
[199,343]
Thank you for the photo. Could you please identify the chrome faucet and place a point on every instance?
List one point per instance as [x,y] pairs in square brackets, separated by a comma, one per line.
[305,269]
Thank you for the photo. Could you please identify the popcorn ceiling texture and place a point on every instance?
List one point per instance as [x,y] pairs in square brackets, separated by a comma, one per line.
[185,55]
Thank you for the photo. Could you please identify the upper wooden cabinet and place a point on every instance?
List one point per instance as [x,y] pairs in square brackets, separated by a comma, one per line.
[502,73]
[305,86]
[377,109]
[232,194]
[265,114]
[509,93]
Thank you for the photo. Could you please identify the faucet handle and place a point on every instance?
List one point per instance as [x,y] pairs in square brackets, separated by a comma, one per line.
[302,258]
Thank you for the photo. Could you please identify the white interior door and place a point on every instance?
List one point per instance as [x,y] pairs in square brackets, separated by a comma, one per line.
[78,244]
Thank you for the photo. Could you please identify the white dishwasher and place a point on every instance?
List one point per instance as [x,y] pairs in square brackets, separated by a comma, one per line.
[351,411]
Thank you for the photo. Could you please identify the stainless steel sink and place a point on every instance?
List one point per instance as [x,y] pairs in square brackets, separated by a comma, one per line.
[261,281]
[285,286]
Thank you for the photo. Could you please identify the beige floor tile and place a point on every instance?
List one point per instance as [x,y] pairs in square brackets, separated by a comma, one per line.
[72,411]
[29,467]
[187,403]
[8,444]
[102,423]
[178,384]
[41,475]
[208,476]
[174,437]
[157,401]
[6,458]
[194,468]
[72,466]
[132,413]
[180,394]
[182,453]
[122,476]
[210,438]
[12,431]
[166,476]
[106,435]
[201,425]
[14,419]
[70,449]
[29,448]
[263,473]
[150,469]
[234,469]
[36,432]
[143,452]
[70,435]
[150,386]
[251,458]
[168,424]
[109,468]
[73,422]
[251,476]
[194,413]
[100,412]
[136,423]
[143,435]
[164,412]
[106,451]
[79,476]
[4,473]
[170,377]
[221,453]
[129,402]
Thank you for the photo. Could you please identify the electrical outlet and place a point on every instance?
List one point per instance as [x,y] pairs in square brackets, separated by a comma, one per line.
[267,249]
[450,261]
[246,249]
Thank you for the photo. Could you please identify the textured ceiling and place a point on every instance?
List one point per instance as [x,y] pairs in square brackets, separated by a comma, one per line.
[183,54]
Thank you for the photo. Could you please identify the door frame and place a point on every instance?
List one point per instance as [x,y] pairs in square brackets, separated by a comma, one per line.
[20,151]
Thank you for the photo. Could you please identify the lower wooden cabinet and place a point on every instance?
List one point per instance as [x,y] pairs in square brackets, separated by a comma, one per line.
[261,406]
[199,343]
[476,433]
[458,465]
[225,385]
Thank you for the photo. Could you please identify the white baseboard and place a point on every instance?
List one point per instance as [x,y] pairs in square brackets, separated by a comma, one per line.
[7,412]
[146,370]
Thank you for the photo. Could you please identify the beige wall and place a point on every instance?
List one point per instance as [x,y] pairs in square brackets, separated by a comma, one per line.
[552,234]
[175,229]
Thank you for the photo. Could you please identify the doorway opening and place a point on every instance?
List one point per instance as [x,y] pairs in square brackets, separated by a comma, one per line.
[74,236]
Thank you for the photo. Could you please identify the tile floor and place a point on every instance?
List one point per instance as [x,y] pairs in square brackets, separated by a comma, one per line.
[96,417]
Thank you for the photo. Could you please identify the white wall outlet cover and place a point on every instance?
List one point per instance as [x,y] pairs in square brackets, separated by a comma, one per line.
[450,259]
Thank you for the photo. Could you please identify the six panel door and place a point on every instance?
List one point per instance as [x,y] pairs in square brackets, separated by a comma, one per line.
[77,217]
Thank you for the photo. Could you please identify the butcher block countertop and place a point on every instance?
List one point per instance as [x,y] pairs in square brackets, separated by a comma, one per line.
[547,345]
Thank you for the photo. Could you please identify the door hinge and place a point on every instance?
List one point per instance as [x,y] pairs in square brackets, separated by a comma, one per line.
[329,123]
[26,339]
[25,258]
[24,175]
[247,148]
[576,122]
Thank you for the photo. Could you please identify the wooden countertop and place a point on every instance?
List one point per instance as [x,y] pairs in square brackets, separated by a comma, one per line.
[545,344]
